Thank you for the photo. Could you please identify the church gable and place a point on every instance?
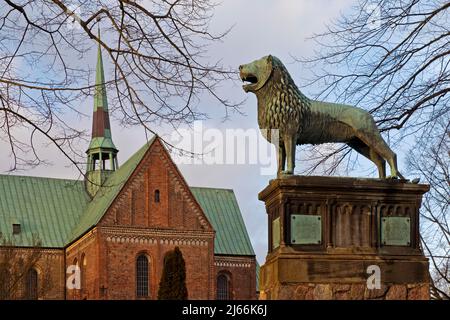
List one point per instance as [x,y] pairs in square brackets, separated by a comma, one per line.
[156,196]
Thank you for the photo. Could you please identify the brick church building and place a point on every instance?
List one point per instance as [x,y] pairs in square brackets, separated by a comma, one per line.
[117,225]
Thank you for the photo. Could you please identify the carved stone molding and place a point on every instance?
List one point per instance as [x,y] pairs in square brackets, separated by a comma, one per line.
[154,241]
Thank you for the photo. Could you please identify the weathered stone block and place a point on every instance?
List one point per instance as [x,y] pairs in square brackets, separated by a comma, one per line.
[372,294]
[397,292]
[419,292]
[323,292]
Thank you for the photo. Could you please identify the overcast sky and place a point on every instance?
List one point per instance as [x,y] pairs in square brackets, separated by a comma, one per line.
[261,27]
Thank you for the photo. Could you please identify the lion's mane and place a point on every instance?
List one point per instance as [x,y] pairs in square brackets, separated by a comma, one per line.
[281,104]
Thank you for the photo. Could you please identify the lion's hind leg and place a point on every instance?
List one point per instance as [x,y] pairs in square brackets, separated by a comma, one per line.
[363,149]
[376,143]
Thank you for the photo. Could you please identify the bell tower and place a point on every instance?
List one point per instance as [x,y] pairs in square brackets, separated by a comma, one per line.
[102,153]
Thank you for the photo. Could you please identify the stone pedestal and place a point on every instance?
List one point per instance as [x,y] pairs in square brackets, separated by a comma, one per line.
[334,238]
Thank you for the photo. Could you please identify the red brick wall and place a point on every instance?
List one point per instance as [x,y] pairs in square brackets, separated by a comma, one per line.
[51,271]
[243,275]
[49,265]
[121,248]
[135,205]
[86,247]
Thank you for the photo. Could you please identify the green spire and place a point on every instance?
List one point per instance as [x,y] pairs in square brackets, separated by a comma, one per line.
[101,131]
[102,153]
[100,99]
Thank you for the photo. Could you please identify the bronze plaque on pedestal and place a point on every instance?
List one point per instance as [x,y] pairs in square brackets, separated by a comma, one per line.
[306,229]
[396,231]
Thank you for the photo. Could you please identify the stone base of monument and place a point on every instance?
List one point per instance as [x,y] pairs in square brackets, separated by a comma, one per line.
[343,238]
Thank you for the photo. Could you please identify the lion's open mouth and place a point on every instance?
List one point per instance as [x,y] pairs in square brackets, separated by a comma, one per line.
[250,78]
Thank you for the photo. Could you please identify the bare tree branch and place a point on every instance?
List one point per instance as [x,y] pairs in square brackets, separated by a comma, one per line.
[154,50]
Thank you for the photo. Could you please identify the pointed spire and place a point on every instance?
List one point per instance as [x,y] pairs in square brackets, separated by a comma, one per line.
[100,99]
[100,125]
[102,153]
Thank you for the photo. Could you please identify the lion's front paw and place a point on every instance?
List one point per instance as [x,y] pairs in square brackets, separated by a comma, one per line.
[392,178]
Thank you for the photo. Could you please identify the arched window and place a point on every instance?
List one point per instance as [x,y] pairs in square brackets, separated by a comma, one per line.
[32,284]
[156,195]
[223,287]
[142,276]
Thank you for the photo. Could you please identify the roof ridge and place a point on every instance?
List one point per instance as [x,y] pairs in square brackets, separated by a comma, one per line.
[212,188]
[38,177]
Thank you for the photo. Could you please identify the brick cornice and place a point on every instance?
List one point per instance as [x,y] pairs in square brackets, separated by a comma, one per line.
[233,261]
[154,236]
[154,232]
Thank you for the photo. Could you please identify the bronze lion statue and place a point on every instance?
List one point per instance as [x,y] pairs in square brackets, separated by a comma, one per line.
[300,120]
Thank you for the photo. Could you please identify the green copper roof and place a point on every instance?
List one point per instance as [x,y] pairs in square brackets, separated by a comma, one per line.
[100,99]
[58,211]
[102,142]
[222,210]
[46,208]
